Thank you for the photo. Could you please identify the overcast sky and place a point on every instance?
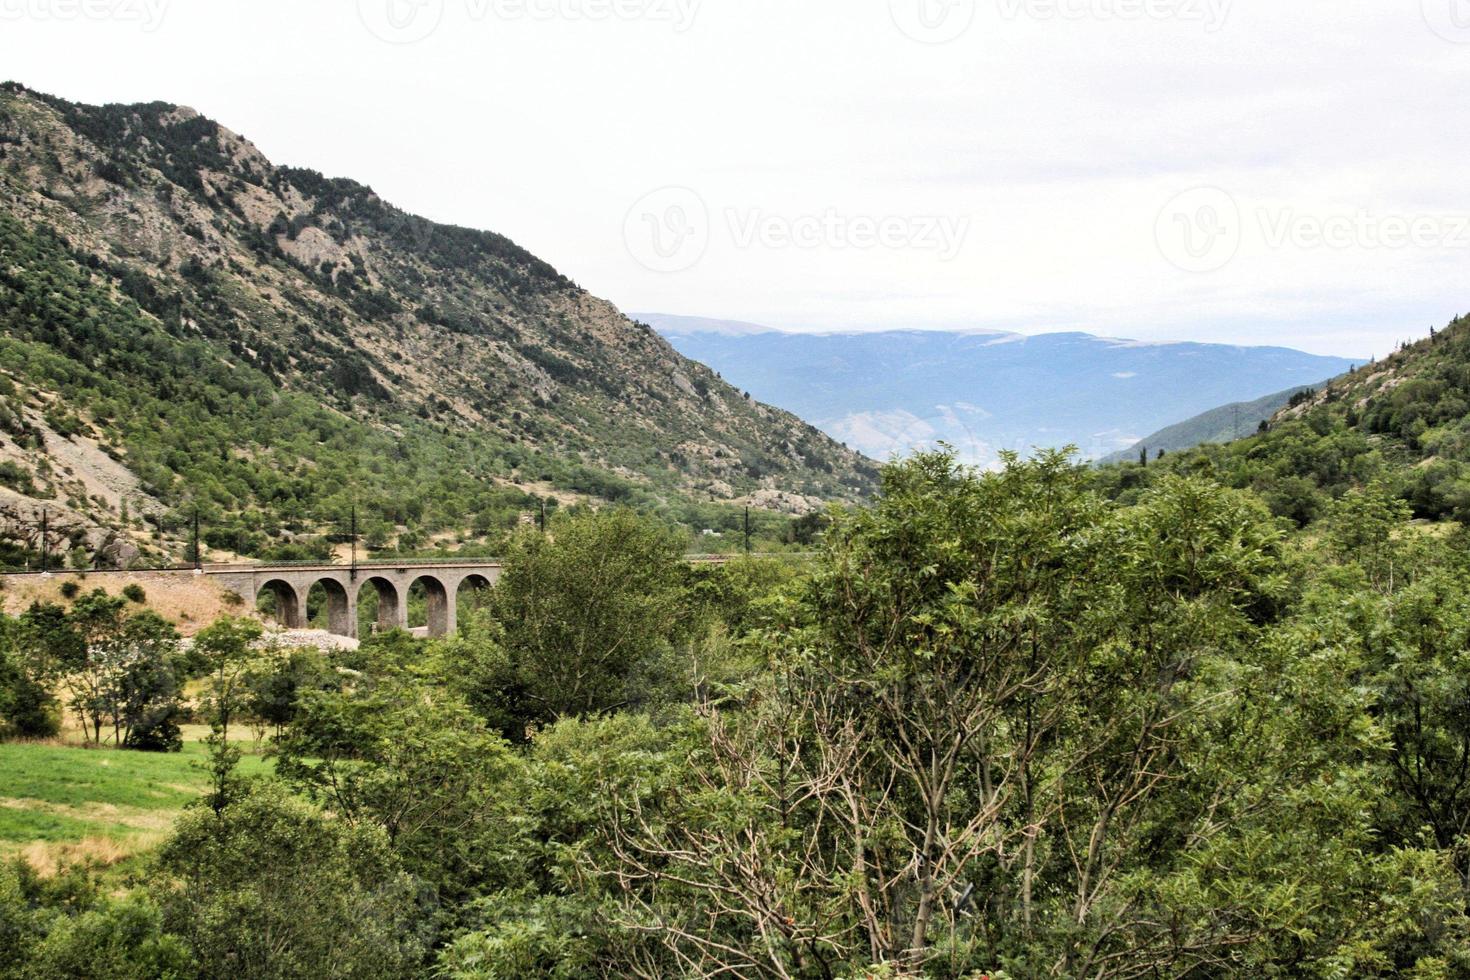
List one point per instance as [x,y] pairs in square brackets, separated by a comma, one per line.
[1249,171]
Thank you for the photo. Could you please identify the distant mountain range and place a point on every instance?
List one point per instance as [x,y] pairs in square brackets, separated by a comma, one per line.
[890,392]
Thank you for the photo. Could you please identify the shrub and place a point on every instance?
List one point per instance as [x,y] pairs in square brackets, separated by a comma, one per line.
[28,709]
[133,592]
[271,887]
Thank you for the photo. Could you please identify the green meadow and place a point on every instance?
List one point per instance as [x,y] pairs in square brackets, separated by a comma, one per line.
[56,797]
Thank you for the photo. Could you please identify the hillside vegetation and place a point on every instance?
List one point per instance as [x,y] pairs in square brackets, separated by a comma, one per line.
[1404,421]
[1224,424]
[185,326]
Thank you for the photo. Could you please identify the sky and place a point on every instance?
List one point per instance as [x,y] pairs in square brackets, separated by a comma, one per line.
[1239,171]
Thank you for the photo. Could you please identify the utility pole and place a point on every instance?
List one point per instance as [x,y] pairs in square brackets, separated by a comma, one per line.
[747,530]
[1235,409]
[45,544]
[541,521]
[198,555]
[352,575]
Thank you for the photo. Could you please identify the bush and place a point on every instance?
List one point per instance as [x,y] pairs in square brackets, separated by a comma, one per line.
[70,590]
[64,926]
[271,887]
[133,592]
[28,709]
[122,940]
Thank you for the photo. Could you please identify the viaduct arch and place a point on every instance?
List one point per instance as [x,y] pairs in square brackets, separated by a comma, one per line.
[345,586]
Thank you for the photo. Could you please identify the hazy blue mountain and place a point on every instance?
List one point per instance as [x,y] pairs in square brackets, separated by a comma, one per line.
[893,391]
[1223,424]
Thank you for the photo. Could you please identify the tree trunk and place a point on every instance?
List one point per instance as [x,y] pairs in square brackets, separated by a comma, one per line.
[919,940]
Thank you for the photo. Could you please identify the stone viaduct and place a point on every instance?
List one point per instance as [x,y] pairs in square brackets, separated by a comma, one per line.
[345,586]
[390,582]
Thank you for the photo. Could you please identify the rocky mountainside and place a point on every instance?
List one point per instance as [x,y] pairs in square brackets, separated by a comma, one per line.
[186,326]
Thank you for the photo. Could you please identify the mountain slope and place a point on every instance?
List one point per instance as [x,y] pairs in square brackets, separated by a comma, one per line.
[267,345]
[1404,421]
[982,393]
[1223,424]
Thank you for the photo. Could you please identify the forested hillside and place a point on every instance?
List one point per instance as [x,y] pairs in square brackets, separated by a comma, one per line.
[1224,424]
[1404,421]
[185,327]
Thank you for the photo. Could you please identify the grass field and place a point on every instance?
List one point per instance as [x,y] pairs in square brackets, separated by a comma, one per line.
[59,801]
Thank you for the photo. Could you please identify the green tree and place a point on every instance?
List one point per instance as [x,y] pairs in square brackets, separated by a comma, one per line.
[28,706]
[1012,727]
[119,940]
[64,926]
[546,910]
[120,668]
[227,648]
[148,709]
[578,612]
[408,759]
[270,887]
[277,684]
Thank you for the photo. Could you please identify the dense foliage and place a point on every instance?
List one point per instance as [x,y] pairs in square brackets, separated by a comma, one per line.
[1002,726]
